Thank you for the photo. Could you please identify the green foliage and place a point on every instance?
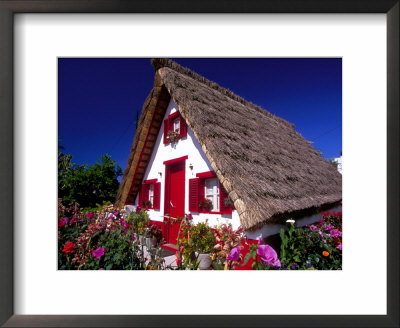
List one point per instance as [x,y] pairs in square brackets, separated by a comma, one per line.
[119,252]
[139,221]
[315,247]
[88,185]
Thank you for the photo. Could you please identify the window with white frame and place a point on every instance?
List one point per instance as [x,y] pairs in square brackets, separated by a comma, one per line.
[151,193]
[177,125]
[212,192]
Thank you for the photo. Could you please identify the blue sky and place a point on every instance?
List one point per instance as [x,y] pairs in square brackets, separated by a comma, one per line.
[98,98]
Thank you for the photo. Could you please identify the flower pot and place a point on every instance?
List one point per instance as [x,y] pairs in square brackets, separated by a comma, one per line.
[151,242]
[140,238]
[204,261]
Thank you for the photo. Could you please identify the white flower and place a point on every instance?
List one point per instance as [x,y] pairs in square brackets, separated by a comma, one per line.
[290,221]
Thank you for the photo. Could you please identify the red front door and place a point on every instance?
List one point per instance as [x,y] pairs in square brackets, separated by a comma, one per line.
[174,199]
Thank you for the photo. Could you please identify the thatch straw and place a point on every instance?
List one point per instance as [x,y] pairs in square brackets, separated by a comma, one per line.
[269,170]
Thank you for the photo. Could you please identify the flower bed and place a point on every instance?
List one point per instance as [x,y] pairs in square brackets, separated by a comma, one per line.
[110,239]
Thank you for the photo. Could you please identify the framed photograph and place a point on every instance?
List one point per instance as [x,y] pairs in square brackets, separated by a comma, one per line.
[35,35]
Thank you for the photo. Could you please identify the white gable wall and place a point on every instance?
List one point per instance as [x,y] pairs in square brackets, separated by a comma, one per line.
[186,146]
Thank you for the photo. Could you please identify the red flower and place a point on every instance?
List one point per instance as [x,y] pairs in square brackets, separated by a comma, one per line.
[69,247]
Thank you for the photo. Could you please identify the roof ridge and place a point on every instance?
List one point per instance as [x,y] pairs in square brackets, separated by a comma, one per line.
[166,62]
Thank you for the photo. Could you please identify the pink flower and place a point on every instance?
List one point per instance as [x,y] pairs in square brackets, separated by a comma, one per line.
[339,247]
[72,220]
[268,255]
[62,222]
[115,213]
[89,215]
[99,252]
[234,255]
[313,227]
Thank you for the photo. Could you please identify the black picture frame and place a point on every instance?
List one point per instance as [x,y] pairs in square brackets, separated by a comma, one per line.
[10,7]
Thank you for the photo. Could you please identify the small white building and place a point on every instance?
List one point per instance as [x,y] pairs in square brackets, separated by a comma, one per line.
[201,149]
[338,161]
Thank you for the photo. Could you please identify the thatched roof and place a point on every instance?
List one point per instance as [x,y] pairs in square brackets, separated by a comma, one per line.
[268,169]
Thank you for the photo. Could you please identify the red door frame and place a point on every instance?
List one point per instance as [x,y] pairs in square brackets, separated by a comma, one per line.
[168,164]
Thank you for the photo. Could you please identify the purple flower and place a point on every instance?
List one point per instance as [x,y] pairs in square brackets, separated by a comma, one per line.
[234,255]
[321,233]
[115,213]
[268,255]
[72,220]
[313,227]
[329,227]
[294,266]
[308,264]
[99,252]
[335,233]
[339,247]
[124,224]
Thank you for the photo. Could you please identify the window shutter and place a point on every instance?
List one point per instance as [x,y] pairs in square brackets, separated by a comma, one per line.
[200,191]
[141,194]
[193,197]
[157,192]
[146,192]
[166,129]
[223,195]
[182,127]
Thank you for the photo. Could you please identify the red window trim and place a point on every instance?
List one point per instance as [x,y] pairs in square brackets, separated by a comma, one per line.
[173,115]
[151,181]
[205,175]
[176,160]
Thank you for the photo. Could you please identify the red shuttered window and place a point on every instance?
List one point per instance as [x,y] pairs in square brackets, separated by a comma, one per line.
[206,186]
[176,123]
[149,196]
[193,195]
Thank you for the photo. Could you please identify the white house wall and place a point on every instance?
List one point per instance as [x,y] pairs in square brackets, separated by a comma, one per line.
[273,229]
[156,170]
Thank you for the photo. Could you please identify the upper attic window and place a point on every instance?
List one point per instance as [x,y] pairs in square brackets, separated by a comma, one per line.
[174,128]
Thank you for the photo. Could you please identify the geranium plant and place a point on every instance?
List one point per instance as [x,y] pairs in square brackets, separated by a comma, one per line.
[173,136]
[206,205]
[154,231]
